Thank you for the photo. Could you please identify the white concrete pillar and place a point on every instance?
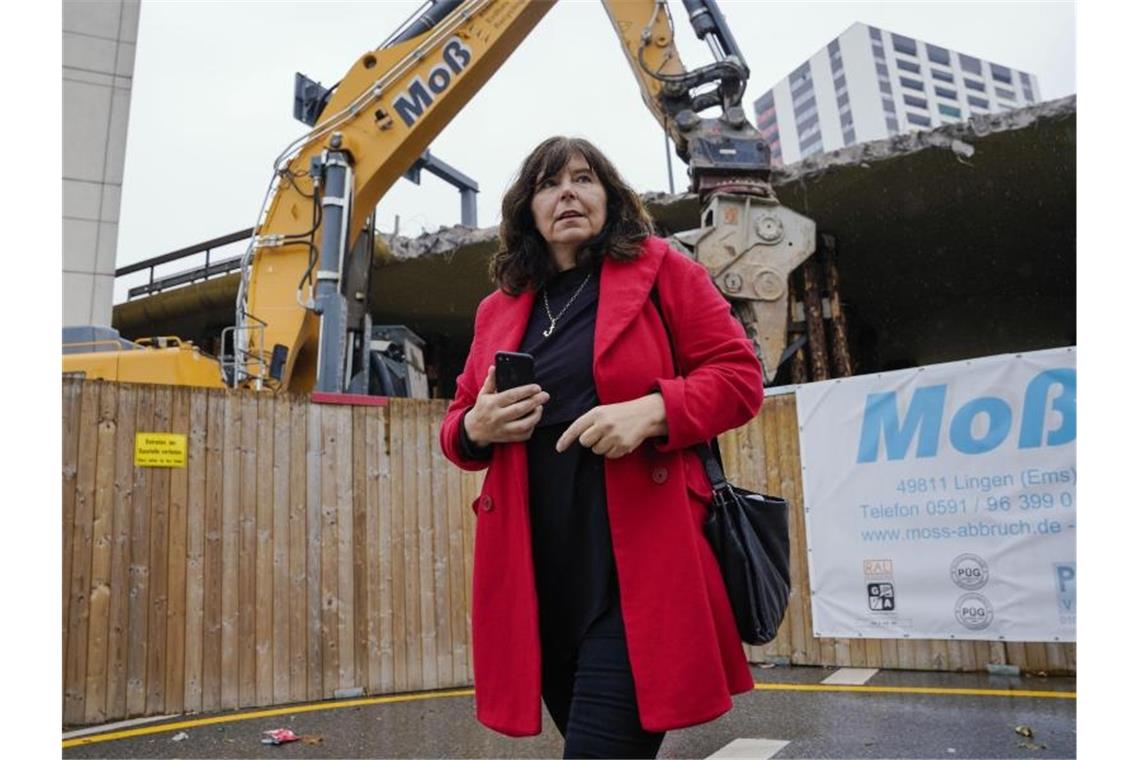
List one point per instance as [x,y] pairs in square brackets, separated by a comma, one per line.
[98,64]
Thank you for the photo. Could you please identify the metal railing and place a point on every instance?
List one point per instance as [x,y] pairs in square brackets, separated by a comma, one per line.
[204,272]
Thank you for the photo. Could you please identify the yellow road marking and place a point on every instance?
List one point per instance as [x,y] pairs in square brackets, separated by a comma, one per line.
[316,706]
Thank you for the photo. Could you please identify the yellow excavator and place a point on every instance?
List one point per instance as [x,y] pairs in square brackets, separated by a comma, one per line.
[303,322]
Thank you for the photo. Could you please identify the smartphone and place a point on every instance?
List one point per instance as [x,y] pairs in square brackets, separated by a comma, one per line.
[513,369]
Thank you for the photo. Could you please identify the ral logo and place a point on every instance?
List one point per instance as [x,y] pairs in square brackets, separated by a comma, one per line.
[974,611]
[1065,575]
[879,574]
[921,429]
[412,102]
[969,571]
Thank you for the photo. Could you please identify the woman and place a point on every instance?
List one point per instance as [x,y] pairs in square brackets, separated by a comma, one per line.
[593,583]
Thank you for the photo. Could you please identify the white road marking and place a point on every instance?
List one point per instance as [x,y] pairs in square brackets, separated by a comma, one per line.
[107,727]
[850,676]
[756,749]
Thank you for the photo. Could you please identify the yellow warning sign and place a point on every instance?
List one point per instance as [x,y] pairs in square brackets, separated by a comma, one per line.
[160,450]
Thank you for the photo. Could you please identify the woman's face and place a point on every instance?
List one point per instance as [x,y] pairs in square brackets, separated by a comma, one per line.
[569,208]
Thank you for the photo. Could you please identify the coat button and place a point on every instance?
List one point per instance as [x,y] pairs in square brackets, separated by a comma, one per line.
[660,474]
[486,503]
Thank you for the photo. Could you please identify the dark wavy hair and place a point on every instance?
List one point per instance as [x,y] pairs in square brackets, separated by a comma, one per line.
[523,258]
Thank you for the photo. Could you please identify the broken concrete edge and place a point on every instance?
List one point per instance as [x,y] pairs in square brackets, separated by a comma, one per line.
[959,138]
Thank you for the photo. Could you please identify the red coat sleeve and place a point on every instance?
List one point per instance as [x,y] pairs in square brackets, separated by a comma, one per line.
[721,385]
[467,387]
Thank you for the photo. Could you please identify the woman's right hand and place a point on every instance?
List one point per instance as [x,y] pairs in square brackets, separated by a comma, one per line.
[504,417]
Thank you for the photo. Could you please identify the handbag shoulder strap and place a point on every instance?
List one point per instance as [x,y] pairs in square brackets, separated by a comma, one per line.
[708,452]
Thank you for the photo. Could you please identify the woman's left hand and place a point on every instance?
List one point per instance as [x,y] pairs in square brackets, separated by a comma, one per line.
[614,430]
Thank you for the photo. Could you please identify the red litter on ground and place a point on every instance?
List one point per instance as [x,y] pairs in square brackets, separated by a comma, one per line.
[279,736]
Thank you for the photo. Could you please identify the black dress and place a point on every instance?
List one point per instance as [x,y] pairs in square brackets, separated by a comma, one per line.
[570,532]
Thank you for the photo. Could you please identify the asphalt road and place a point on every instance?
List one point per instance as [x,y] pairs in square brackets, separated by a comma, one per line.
[791,714]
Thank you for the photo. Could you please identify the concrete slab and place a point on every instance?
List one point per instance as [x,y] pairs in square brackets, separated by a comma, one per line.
[756,749]
[851,676]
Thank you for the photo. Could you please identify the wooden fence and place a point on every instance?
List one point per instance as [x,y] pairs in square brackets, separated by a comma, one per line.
[307,550]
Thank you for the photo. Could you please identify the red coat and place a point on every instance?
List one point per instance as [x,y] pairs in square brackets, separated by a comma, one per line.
[685,653]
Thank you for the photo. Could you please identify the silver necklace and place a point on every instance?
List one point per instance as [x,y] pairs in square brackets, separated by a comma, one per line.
[553,319]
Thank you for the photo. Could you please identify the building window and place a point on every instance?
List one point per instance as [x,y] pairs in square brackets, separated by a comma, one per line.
[892,125]
[805,107]
[910,100]
[903,44]
[833,47]
[841,91]
[1028,95]
[1025,80]
[877,49]
[912,84]
[913,68]
[1004,93]
[979,102]
[921,121]
[840,82]
[972,85]
[949,111]
[888,105]
[842,100]
[972,65]
[936,54]
[845,119]
[849,137]
[942,92]
[805,97]
[942,76]
[884,87]
[800,89]
[875,35]
[1001,74]
[881,68]
[764,118]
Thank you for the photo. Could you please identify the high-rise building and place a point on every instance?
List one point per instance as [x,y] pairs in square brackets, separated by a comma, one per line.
[868,84]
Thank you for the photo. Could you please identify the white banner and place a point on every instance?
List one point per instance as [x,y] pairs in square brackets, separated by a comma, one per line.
[940,502]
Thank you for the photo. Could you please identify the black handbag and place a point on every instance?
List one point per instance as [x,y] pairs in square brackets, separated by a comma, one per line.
[748,533]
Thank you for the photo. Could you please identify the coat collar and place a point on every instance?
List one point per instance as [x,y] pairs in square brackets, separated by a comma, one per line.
[623,291]
[624,288]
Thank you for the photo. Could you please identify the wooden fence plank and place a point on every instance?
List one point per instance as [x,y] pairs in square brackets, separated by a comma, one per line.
[281,510]
[373,452]
[176,564]
[314,601]
[330,638]
[75,689]
[195,549]
[247,555]
[413,626]
[99,596]
[231,550]
[401,598]
[212,571]
[118,634]
[159,540]
[263,562]
[346,648]
[425,537]
[441,592]
[360,585]
[138,603]
[457,512]
[387,551]
[298,564]
[70,439]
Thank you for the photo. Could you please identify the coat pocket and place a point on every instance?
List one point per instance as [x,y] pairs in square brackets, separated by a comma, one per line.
[695,478]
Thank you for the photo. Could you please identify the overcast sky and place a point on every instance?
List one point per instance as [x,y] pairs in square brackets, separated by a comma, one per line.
[211,105]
